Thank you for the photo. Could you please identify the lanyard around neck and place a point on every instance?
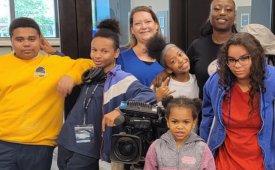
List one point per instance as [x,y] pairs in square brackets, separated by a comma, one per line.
[86,102]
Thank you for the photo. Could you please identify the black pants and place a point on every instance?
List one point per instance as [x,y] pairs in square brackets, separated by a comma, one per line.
[14,156]
[68,160]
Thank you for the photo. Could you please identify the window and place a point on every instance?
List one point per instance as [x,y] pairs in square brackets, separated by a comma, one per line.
[44,12]
[4,18]
[94,16]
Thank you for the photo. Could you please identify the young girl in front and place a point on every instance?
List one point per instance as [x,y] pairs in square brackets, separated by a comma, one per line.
[180,148]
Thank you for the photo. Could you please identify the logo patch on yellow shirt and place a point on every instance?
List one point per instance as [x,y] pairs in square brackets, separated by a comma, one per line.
[40,72]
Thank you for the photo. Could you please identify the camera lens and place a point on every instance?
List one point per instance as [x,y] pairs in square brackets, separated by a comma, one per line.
[126,149]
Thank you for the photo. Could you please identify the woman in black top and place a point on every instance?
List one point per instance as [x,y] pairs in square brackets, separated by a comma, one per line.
[217,30]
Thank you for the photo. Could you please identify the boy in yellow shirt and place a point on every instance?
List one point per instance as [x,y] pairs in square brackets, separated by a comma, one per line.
[32,91]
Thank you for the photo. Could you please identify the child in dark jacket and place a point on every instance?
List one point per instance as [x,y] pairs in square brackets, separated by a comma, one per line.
[86,134]
[179,148]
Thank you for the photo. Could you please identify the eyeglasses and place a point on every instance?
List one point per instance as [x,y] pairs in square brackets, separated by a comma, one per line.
[243,60]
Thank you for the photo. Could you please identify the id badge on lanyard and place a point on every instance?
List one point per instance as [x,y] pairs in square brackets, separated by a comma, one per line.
[85,133]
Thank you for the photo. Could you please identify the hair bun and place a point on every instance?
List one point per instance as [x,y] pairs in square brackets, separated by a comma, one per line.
[165,100]
[198,104]
[155,45]
[111,24]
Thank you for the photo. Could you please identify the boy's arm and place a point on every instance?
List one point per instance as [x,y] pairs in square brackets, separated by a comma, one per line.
[207,160]
[79,67]
[135,91]
[74,75]
[109,119]
[139,92]
[151,158]
[65,85]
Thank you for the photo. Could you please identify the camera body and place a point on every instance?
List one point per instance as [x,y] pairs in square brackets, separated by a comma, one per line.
[144,123]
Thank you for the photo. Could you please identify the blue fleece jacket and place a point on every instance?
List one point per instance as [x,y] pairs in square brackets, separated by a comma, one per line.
[119,86]
[212,128]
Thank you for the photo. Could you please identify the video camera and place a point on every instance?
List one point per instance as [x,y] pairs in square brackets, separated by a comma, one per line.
[143,124]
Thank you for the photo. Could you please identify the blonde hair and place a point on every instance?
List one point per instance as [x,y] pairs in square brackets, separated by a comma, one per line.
[133,40]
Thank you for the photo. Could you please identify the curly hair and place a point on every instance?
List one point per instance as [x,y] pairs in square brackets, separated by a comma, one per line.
[154,46]
[257,69]
[109,28]
[169,102]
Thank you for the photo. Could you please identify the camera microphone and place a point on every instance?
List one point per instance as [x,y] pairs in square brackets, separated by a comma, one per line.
[119,120]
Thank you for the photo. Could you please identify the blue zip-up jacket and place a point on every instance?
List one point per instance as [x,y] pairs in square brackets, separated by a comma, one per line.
[212,129]
[119,86]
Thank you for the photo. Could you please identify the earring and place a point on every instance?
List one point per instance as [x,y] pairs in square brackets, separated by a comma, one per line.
[133,35]
[157,31]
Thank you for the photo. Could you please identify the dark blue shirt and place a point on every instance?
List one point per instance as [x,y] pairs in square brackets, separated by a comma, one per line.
[67,138]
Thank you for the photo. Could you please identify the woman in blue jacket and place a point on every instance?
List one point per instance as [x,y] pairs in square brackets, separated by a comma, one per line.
[238,107]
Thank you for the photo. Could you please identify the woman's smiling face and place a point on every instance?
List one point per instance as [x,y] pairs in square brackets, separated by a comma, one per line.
[144,27]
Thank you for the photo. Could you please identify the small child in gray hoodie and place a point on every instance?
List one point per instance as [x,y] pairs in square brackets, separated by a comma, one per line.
[180,148]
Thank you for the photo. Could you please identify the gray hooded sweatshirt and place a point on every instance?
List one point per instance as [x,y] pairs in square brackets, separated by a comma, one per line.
[164,154]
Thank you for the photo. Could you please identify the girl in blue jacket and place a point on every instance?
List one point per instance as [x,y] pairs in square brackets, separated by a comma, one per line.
[238,107]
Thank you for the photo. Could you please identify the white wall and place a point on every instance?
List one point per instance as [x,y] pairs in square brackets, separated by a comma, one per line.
[242,3]
[157,5]
[5,50]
